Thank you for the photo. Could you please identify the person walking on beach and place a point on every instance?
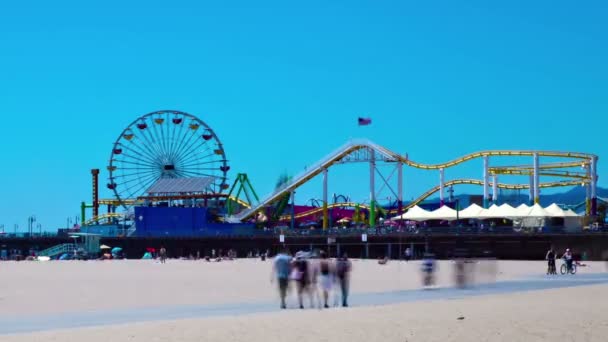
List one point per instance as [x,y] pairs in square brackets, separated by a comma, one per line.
[343,269]
[301,274]
[428,270]
[550,257]
[163,255]
[281,270]
[325,277]
[408,254]
[568,259]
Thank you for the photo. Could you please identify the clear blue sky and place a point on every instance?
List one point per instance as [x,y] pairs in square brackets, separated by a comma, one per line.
[282,85]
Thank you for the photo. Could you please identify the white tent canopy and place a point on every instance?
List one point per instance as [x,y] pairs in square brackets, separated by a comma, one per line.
[505,211]
[474,211]
[471,212]
[538,211]
[488,213]
[443,213]
[522,210]
[570,213]
[555,211]
[415,213]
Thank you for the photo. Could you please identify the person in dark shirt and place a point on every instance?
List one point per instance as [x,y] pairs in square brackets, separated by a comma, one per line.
[163,255]
[343,269]
[326,277]
[550,257]
[302,277]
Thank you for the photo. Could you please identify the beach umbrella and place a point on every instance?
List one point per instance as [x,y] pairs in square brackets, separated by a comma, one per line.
[104,247]
[116,250]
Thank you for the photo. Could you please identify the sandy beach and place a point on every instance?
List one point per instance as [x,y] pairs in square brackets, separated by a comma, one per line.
[33,291]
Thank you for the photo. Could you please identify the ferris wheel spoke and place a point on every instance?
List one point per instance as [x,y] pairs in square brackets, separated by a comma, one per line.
[204,168]
[161,138]
[197,159]
[138,168]
[117,161]
[200,148]
[148,145]
[170,138]
[186,143]
[137,158]
[207,166]
[136,174]
[143,147]
[192,162]
[137,191]
[170,134]
[144,184]
[147,135]
[191,146]
[149,160]
[193,150]
[166,139]
[181,136]
[135,179]
[199,174]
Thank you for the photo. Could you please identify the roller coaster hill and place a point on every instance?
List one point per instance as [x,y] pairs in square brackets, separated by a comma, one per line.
[169,174]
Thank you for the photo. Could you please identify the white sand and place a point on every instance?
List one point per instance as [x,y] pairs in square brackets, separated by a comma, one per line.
[55,287]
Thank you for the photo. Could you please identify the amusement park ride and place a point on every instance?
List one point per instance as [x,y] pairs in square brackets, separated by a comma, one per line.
[172,144]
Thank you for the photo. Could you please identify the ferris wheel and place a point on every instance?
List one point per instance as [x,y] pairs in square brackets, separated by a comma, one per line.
[165,144]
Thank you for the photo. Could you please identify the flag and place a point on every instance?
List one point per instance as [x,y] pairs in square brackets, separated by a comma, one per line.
[364,121]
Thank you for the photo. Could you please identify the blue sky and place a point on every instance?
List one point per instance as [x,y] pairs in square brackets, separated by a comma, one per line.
[282,85]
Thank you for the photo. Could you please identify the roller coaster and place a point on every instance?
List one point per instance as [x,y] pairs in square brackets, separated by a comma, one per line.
[174,144]
[367,151]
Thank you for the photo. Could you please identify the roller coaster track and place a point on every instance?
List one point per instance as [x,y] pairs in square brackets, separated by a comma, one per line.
[430,192]
[103,217]
[554,173]
[545,166]
[320,210]
[478,182]
[384,154]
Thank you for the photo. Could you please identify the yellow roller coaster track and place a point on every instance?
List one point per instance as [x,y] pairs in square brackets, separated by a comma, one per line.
[104,217]
[430,193]
[320,209]
[386,154]
[545,166]
[527,172]
[478,182]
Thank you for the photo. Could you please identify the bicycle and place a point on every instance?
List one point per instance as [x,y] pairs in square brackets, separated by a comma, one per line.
[564,268]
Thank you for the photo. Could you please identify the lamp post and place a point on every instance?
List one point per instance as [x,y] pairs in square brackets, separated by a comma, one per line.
[30,224]
[39,226]
[457,215]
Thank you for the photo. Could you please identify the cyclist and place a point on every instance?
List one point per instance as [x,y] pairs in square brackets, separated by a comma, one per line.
[568,259]
[550,257]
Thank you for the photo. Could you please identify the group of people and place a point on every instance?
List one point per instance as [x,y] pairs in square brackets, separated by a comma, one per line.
[313,277]
[552,256]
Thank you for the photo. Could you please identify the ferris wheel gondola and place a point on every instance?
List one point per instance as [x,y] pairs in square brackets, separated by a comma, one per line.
[165,144]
